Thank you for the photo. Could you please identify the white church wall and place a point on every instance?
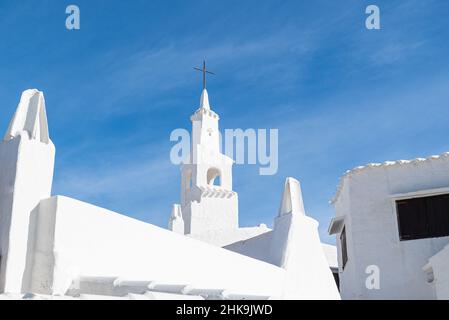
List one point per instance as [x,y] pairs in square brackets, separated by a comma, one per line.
[439,265]
[255,247]
[212,213]
[225,238]
[294,245]
[26,173]
[366,198]
[297,241]
[91,241]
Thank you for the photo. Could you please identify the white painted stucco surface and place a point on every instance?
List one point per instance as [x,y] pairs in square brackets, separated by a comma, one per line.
[208,202]
[26,174]
[77,239]
[366,200]
[58,247]
[439,265]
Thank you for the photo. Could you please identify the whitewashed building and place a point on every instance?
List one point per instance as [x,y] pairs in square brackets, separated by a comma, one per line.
[54,247]
[392,228]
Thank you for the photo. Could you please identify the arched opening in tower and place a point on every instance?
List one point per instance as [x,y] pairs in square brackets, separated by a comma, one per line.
[214,177]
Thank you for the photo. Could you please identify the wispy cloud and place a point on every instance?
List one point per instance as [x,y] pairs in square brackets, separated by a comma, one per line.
[132,183]
[340,95]
[156,72]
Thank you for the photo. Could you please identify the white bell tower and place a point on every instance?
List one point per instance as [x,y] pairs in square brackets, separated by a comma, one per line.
[208,204]
[209,208]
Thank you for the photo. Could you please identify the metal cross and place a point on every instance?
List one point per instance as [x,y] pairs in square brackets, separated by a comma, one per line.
[204,71]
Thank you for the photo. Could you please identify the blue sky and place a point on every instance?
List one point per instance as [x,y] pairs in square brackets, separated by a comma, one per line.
[340,95]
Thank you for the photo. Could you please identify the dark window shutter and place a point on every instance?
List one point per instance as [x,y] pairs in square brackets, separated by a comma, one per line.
[344,248]
[426,217]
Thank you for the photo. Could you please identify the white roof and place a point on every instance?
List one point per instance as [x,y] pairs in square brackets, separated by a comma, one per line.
[385,164]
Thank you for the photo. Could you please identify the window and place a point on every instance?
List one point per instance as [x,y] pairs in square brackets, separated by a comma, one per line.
[421,218]
[214,177]
[344,248]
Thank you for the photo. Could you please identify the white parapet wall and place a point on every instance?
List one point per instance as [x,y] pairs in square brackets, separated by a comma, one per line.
[76,239]
[294,245]
[438,273]
[26,174]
